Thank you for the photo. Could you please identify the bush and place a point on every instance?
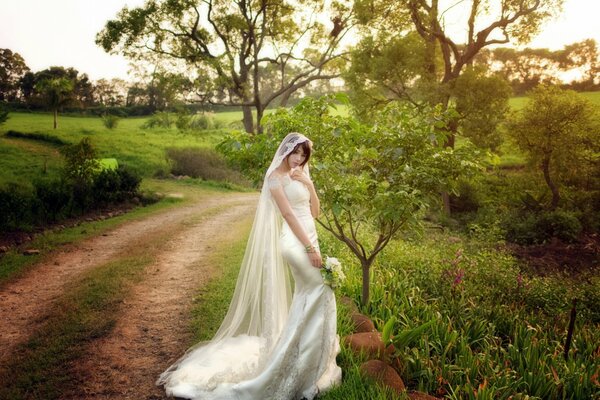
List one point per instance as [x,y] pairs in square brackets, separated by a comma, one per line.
[467,199]
[110,121]
[202,163]
[42,137]
[129,181]
[3,115]
[53,195]
[538,228]
[17,205]
[160,119]
[112,186]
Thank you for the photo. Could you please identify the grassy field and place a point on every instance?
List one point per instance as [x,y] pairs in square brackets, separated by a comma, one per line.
[21,160]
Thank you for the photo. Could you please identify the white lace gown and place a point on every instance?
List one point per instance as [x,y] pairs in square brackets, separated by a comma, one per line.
[301,364]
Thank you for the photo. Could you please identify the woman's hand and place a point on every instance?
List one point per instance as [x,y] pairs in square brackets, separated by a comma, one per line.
[298,175]
[315,259]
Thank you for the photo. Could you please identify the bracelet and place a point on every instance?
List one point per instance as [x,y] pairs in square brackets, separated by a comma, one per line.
[310,248]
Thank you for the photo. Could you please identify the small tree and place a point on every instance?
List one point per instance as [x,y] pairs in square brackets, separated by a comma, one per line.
[374,181]
[56,92]
[559,131]
[81,166]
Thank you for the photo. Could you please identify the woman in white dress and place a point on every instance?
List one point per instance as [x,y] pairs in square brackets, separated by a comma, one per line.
[271,345]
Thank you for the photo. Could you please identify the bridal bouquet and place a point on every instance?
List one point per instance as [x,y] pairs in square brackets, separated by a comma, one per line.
[332,272]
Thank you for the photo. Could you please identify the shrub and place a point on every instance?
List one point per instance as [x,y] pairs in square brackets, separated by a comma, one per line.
[202,163]
[81,166]
[106,187]
[110,121]
[538,228]
[129,181]
[3,114]
[115,185]
[42,137]
[53,195]
[160,119]
[467,198]
[16,206]
[202,121]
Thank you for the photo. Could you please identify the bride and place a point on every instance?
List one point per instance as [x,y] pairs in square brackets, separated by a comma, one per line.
[271,345]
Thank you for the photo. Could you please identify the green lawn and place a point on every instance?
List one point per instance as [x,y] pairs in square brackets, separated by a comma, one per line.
[142,149]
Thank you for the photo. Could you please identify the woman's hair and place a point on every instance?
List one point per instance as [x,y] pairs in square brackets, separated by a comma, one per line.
[306,147]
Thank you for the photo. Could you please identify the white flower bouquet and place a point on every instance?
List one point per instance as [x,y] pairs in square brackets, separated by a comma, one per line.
[332,272]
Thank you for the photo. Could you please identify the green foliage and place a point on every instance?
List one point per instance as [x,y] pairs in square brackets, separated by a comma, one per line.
[482,102]
[54,196]
[110,121]
[3,114]
[559,131]
[81,166]
[535,228]
[17,205]
[161,119]
[42,137]
[373,180]
[494,333]
[202,163]
[114,186]
[56,93]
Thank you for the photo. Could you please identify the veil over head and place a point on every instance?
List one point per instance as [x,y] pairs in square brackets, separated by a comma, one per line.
[263,293]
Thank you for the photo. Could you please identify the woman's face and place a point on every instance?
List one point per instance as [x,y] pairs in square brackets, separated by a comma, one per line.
[296,158]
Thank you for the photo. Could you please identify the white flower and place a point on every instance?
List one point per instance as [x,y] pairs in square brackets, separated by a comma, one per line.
[332,272]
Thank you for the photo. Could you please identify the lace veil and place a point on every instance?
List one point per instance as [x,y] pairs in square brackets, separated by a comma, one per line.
[263,292]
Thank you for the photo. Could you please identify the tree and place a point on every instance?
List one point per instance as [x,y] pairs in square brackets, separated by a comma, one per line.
[487,23]
[56,93]
[228,44]
[559,130]
[110,93]
[12,69]
[374,180]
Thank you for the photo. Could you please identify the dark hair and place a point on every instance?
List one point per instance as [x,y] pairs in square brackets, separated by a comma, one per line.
[306,147]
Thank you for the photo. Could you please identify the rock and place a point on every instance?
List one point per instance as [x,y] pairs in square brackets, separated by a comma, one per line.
[369,343]
[31,252]
[421,396]
[383,374]
[3,249]
[362,323]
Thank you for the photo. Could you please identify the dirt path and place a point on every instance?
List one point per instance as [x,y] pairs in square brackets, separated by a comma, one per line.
[25,302]
[153,328]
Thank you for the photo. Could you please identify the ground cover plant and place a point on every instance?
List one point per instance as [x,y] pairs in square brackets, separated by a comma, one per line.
[498,333]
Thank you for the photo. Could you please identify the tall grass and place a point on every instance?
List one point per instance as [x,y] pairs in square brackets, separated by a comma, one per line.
[498,333]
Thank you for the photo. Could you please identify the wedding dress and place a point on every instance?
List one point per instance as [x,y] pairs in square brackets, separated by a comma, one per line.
[266,347]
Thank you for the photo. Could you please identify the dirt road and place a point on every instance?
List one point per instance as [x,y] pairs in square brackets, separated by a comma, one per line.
[152,325]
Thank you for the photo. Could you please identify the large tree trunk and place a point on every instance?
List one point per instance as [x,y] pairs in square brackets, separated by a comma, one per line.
[248,119]
[550,183]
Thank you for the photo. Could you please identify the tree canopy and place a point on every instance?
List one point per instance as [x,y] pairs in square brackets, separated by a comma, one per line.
[559,130]
[227,47]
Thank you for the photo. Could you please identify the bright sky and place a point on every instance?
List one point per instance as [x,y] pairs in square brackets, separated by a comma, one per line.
[62,32]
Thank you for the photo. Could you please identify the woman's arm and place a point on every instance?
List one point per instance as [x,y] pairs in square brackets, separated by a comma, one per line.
[315,203]
[288,214]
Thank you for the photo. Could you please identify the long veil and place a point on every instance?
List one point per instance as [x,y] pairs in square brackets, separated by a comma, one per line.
[258,309]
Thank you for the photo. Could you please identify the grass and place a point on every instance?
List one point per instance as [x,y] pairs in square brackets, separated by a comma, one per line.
[141,149]
[496,333]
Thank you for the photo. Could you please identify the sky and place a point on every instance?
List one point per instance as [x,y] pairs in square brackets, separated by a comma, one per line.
[62,32]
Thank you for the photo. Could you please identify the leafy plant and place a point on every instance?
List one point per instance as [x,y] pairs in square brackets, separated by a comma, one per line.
[110,121]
